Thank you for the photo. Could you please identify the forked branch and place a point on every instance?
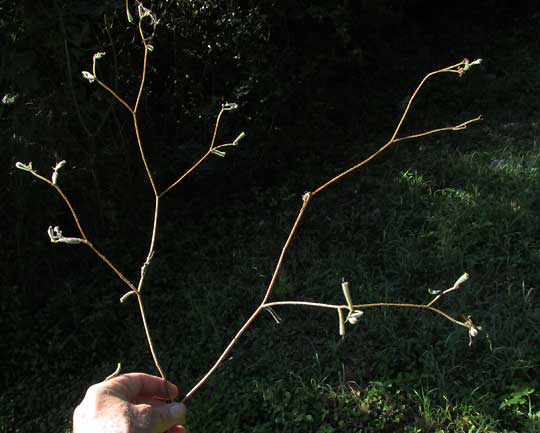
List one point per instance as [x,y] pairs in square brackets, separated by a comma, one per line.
[55,233]
[354,310]
[347,313]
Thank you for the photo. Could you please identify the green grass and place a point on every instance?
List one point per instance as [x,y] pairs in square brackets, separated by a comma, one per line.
[415,221]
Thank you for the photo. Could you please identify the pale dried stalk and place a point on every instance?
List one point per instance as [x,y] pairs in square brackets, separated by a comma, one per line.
[56,236]
[134,289]
[366,306]
[457,68]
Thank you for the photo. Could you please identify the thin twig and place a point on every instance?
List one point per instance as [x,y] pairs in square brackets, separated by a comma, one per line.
[366,306]
[113,93]
[194,166]
[459,127]
[145,62]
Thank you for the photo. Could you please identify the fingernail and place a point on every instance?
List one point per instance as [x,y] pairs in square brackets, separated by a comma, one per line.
[178,411]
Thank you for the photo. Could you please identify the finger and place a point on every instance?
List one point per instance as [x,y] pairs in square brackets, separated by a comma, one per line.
[154,402]
[177,429]
[163,417]
[131,386]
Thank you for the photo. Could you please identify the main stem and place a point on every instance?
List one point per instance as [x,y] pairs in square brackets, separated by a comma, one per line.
[151,248]
[149,337]
[261,307]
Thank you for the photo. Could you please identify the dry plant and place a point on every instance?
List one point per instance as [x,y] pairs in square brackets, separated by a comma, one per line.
[348,313]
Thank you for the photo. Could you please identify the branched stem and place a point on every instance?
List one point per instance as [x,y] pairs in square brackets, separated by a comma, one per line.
[458,68]
[151,250]
[353,309]
[258,310]
[85,239]
[455,69]
[55,233]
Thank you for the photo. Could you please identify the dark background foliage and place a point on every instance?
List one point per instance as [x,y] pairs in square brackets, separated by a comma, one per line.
[304,73]
[319,85]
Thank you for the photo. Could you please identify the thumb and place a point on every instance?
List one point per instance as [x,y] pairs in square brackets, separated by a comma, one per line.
[168,415]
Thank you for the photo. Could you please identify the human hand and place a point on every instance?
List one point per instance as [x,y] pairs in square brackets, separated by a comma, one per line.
[130,403]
